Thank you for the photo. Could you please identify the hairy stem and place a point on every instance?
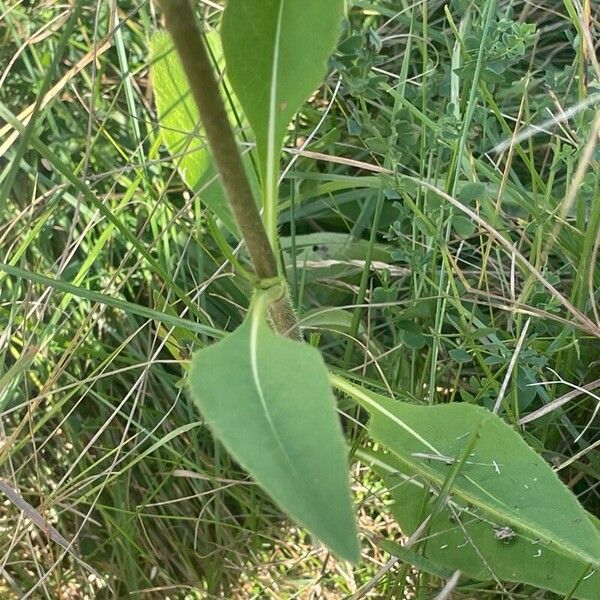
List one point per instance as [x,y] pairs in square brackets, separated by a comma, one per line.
[181,23]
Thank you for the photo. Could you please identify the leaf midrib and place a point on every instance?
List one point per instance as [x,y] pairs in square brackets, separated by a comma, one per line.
[255,322]
[270,177]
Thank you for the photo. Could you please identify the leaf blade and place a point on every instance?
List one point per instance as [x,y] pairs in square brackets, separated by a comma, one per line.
[274,80]
[506,479]
[269,401]
[181,128]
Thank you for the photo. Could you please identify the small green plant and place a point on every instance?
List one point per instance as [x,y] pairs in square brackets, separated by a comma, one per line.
[472,491]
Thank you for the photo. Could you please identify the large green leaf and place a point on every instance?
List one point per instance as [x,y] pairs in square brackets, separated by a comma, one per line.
[180,126]
[502,479]
[460,539]
[276,52]
[269,401]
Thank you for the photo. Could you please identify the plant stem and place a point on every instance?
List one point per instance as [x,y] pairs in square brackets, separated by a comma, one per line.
[181,23]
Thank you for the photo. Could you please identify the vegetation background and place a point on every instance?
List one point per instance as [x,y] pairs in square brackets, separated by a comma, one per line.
[103,248]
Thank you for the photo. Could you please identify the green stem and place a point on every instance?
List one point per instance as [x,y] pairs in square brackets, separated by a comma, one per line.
[181,23]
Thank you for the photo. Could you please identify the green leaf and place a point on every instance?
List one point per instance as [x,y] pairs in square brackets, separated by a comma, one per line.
[337,319]
[269,401]
[411,333]
[459,539]
[460,355]
[331,255]
[503,480]
[181,128]
[276,52]
[470,192]
[463,226]
[326,245]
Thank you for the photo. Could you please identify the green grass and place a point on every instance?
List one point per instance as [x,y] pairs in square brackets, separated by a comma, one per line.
[111,273]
